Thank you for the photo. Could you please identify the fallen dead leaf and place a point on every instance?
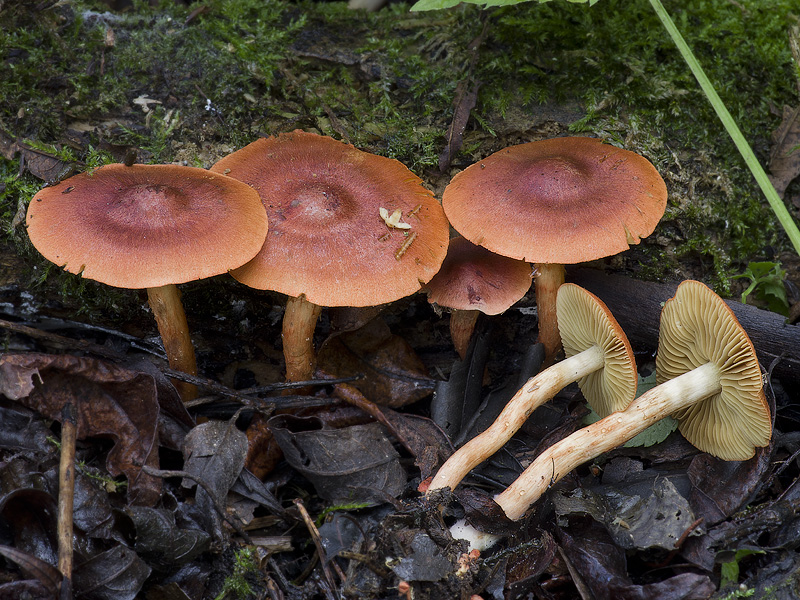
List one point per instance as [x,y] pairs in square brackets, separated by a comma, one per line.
[110,401]
[784,159]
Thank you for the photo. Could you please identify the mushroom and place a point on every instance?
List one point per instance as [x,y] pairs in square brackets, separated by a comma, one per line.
[329,242]
[709,380]
[150,226]
[555,202]
[473,280]
[599,358]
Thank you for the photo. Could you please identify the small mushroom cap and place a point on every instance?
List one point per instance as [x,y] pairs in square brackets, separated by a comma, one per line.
[327,237]
[585,321]
[472,278]
[561,201]
[147,225]
[697,327]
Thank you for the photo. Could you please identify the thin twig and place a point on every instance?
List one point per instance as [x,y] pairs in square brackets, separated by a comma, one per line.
[312,529]
[54,338]
[66,492]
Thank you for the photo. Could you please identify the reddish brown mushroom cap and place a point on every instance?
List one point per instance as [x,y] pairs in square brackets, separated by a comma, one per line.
[562,201]
[147,226]
[473,278]
[327,239]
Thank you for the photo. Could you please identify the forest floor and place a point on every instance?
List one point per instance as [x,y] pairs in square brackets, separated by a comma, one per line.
[84,83]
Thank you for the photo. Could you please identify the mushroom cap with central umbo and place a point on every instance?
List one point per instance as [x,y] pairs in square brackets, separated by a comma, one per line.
[557,201]
[327,239]
[697,328]
[147,226]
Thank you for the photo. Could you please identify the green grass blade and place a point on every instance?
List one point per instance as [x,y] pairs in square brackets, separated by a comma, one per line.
[744,148]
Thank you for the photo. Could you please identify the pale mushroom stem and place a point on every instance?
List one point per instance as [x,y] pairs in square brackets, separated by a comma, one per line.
[606,434]
[547,281]
[165,302]
[534,393]
[299,323]
[462,324]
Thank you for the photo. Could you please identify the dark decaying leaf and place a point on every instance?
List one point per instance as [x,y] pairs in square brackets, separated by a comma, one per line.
[352,464]
[773,524]
[31,515]
[116,574]
[214,452]
[263,452]
[187,583]
[110,402]
[250,486]
[426,440]
[601,565]
[656,520]
[456,400]
[41,164]
[22,429]
[720,487]
[526,564]
[341,532]
[482,512]
[784,158]
[46,575]
[92,512]
[159,539]
[465,100]
[424,563]
[30,589]
[393,374]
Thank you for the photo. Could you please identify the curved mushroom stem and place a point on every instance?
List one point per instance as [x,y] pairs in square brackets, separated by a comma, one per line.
[534,393]
[549,279]
[606,434]
[165,302]
[299,323]
[462,324]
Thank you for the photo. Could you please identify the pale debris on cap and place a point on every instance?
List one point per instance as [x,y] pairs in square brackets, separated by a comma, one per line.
[328,239]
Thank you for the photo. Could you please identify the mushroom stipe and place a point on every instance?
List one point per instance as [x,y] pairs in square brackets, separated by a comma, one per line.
[710,380]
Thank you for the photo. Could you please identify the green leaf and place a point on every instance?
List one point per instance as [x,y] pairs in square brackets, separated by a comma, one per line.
[766,285]
[656,433]
[730,570]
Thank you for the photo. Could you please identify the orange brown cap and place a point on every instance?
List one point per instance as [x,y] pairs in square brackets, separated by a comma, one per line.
[559,201]
[472,278]
[328,237]
[146,226]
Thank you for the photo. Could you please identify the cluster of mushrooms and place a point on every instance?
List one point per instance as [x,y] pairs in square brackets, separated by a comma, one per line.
[329,225]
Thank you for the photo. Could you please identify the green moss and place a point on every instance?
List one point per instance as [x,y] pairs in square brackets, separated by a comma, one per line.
[386,82]
[638,93]
[236,584]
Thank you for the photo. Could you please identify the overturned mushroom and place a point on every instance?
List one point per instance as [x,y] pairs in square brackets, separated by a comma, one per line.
[599,358]
[709,380]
